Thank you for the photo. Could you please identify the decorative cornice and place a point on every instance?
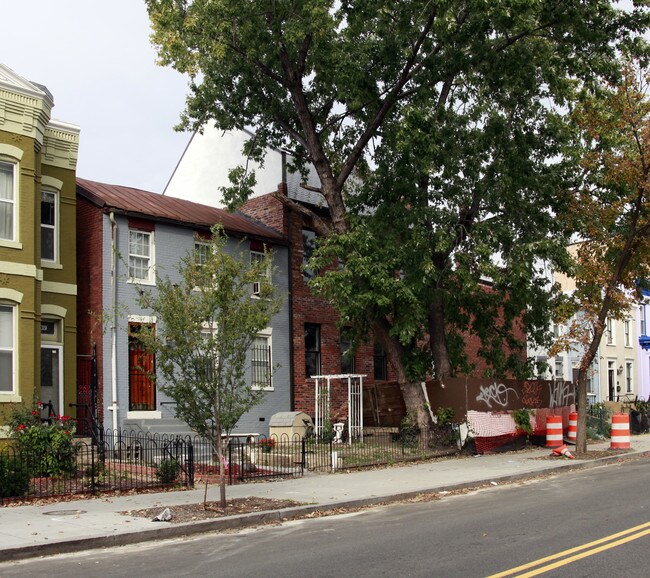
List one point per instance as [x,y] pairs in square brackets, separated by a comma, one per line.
[60,288]
[61,145]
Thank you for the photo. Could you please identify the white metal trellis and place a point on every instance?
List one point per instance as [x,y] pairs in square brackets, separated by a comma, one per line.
[355,402]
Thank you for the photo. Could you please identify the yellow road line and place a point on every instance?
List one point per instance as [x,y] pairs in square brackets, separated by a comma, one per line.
[587,546]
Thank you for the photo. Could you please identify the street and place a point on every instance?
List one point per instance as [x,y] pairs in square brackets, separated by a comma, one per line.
[584,517]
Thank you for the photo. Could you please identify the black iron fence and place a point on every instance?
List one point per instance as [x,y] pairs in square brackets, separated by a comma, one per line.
[125,461]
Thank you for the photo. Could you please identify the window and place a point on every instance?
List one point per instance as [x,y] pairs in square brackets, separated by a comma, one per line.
[610,331]
[559,368]
[261,363]
[201,251]
[381,367]
[7,201]
[49,226]
[308,246]
[347,353]
[142,367]
[141,256]
[626,328]
[628,377]
[256,257]
[7,341]
[312,350]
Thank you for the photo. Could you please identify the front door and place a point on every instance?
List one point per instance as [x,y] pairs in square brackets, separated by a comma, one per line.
[52,377]
[142,389]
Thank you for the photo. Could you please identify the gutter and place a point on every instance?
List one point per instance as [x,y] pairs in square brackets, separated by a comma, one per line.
[114,407]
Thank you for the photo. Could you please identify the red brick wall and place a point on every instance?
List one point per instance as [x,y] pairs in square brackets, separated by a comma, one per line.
[308,308]
[90,269]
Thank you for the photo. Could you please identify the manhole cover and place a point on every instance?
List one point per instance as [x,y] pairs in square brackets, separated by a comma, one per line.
[64,512]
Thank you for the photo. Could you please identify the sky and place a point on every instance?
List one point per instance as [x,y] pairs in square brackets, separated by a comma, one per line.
[96,59]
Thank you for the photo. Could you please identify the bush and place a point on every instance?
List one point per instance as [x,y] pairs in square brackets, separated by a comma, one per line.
[409,431]
[14,477]
[167,471]
[48,449]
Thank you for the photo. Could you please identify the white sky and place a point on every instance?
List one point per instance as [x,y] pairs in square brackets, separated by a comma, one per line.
[95,57]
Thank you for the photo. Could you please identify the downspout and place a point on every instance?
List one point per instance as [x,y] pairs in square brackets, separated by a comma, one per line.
[114,408]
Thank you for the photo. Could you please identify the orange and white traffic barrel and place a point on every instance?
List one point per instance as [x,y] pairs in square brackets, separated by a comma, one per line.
[620,432]
[572,432]
[554,431]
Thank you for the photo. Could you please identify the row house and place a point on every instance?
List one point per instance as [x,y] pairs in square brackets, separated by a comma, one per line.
[127,238]
[38,278]
[615,373]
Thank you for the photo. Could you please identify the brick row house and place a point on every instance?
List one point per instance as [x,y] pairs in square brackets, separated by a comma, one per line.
[38,280]
[318,345]
[126,239]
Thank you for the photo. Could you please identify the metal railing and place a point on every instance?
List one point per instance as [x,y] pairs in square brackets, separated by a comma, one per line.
[126,460]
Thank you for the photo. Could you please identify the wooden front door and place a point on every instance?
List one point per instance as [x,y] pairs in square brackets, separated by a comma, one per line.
[142,366]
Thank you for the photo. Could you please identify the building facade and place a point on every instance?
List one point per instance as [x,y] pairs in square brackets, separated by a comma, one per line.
[38,281]
[127,239]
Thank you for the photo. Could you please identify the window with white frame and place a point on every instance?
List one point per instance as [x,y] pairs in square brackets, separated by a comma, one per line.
[201,251]
[7,201]
[49,226]
[308,248]
[256,257]
[141,253]
[7,349]
[628,377]
[626,329]
[609,330]
[559,368]
[261,362]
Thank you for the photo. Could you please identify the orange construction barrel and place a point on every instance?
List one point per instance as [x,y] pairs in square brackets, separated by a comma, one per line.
[620,432]
[554,431]
[572,432]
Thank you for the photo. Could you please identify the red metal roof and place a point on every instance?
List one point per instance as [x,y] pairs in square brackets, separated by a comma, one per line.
[137,202]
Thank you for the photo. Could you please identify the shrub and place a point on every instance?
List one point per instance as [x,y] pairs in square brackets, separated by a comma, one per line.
[409,431]
[48,449]
[167,471]
[14,477]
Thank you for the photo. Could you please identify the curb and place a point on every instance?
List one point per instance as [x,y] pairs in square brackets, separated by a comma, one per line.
[259,518]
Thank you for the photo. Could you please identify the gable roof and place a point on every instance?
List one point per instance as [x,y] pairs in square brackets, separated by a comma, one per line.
[144,204]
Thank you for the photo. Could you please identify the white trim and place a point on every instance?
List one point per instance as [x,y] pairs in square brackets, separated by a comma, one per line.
[56,310]
[59,348]
[60,288]
[11,151]
[141,319]
[154,414]
[13,349]
[267,334]
[56,260]
[22,269]
[52,183]
[11,295]
[14,162]
[151,269]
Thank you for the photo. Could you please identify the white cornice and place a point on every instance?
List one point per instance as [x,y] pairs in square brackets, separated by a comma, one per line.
[25,108]
[61,145]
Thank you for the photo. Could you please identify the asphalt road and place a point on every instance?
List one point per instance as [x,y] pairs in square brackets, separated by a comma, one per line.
[592,523]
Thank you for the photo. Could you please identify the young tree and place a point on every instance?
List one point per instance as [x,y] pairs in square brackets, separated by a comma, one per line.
[610,212]
[207,323]
[340,84]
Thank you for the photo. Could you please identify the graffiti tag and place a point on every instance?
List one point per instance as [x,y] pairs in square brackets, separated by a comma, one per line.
[532,394]
[496,393]
[561,394]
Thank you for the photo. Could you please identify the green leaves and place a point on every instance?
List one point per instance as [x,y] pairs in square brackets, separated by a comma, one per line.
[207,323]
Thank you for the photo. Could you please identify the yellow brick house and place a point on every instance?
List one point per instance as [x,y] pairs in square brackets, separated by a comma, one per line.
[38,311]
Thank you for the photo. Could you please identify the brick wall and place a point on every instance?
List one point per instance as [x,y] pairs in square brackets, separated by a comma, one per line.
[90,286]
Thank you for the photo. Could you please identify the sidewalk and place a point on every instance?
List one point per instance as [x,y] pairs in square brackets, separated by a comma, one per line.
[70,526]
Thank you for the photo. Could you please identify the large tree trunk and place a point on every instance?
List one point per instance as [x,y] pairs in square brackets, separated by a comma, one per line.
[438,338]
[414,399]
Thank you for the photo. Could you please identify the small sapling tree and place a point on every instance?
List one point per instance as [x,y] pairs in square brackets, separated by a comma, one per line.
[207,322]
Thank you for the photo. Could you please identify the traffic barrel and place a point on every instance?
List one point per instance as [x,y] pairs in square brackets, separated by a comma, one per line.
[620,432]
[554,431]
[572,432]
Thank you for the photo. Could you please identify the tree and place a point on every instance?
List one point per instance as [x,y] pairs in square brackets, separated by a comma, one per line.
[610,212]
[341,85]
[208,322]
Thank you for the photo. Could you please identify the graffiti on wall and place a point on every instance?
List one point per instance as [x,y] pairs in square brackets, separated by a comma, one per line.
[561,393]
[496,393]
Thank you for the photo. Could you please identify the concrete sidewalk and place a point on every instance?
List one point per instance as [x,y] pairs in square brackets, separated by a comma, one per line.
[69,526]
